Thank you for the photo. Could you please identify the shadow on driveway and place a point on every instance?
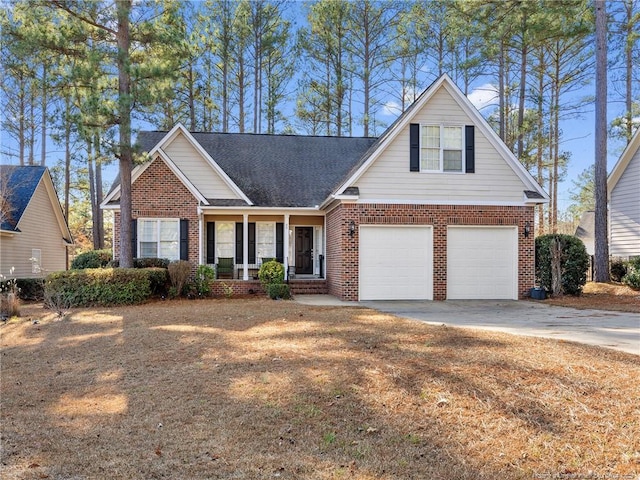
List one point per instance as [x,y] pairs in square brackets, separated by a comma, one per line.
[617,330]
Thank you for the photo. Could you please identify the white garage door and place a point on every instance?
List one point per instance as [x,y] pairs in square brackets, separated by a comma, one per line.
[482,263]
[396,263]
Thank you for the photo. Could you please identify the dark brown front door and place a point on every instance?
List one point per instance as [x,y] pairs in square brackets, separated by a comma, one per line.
[304,249]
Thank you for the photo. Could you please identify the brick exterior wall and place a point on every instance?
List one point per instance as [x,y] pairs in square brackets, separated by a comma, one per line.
[342,249]
[158,193]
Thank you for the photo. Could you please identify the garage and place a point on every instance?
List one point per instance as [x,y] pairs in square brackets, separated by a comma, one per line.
[482,263]
[396,262]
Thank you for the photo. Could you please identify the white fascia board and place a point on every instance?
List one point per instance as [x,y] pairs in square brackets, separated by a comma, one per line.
[213,210]
[478,121]
[483,203]
[230,183]
[139,169]
[57,208]
[493,138]
[178,173]
[390,136]
[623,162]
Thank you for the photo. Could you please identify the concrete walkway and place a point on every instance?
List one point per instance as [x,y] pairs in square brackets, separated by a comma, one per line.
[617,330]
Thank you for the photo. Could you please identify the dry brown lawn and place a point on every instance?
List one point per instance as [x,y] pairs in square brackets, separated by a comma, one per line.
[602,296]
[261,389]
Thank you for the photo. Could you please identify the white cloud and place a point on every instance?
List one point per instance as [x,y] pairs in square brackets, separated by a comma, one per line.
[484,96]
[392,108]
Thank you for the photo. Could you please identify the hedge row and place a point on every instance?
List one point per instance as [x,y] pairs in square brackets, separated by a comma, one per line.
[103,286]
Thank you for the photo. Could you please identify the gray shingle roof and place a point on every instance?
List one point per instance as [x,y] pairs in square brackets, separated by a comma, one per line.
[278,170]
[19,183]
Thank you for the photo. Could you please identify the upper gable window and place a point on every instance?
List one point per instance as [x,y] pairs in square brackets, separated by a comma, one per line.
[441,148]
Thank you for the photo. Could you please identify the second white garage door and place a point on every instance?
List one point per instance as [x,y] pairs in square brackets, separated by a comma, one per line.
[482,263]
[396,263]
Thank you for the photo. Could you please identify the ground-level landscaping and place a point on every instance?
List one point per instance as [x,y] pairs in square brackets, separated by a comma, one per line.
[255,388]
[602,296]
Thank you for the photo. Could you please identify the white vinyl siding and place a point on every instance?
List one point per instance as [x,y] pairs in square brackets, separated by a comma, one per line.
[159,238]
[197,169]
[493,181]
[39,229]
[625,212]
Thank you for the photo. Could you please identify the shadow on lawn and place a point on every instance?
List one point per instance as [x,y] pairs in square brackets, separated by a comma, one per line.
[264,390]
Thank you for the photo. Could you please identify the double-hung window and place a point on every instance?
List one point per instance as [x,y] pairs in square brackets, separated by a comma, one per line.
[441,148]
[265,239]
[225,239]
[159,238]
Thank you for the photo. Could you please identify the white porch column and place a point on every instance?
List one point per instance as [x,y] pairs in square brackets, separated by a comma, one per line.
[245,246]
[285,247]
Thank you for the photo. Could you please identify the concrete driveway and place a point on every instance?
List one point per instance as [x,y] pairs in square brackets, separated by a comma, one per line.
[617,330]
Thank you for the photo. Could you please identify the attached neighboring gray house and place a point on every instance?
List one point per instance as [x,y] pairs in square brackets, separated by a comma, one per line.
[624,202]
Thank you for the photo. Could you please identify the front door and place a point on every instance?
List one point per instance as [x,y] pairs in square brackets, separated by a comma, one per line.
[304,250]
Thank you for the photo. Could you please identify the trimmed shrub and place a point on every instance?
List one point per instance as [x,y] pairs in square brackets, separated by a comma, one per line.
[151,263]
[617,269]
[271,272]
[31,289]
[99,287]
[632,278]
[92,259]
[574,263]
[158,280]
[278,290]
[144,263]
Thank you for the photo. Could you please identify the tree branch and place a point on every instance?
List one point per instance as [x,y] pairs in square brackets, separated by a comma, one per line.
[62,6]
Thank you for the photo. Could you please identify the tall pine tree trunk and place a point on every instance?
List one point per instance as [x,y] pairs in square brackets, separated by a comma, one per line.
[124,110]
[601,260]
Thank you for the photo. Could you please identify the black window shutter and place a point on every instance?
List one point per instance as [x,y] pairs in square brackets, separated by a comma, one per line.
[211,242]
[134,238]
[414,147]
[239,237]
[470,149]
[184,239]
[280,242]
[252,242]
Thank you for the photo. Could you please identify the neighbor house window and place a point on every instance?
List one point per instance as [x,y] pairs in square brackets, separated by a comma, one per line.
[36,260]
[159,238]
[265,239]
[225,239]
[441,148]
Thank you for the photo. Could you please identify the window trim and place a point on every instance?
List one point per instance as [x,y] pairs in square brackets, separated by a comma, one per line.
[441,127]
[157,221]
[272,224]
[218,234]
[36,260]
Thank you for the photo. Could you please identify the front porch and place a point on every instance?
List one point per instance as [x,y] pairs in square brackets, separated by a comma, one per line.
[236,245]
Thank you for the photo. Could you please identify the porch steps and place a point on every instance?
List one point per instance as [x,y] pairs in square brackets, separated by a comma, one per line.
[308,287]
